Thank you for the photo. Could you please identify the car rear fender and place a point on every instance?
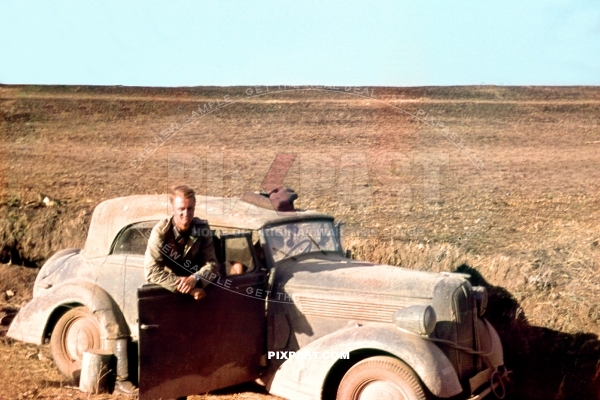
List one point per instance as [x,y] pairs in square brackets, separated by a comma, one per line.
[34,321]
[304,376]
[50,266]
[60,254]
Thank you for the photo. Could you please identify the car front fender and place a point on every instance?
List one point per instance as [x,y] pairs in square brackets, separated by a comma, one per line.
[490,342]
[31,323]
[304,375]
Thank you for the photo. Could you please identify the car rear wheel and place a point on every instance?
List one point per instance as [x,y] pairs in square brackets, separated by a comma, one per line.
[381,377]
[75,332]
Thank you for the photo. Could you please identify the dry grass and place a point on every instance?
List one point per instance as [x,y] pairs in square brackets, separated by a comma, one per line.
[32,374]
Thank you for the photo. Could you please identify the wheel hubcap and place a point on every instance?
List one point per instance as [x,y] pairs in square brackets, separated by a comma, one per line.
[78,339]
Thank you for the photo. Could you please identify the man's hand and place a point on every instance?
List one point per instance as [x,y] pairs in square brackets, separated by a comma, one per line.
[198,293]
[185,284]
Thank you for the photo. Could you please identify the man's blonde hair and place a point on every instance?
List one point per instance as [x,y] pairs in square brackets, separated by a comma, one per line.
[182,191]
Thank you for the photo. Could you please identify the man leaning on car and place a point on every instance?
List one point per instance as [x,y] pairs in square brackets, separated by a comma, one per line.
[180,255]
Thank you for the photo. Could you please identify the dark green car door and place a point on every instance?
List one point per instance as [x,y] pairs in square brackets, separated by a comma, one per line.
[189,347]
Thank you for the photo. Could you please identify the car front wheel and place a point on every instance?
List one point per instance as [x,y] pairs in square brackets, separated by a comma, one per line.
[75,332]
[380,377]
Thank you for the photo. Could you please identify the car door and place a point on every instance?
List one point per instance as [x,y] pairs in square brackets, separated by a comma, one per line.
[189,347]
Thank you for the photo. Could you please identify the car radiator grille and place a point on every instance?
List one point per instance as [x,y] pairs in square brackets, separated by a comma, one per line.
[346,309]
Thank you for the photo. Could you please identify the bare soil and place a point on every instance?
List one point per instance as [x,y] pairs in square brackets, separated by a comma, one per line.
[499,182]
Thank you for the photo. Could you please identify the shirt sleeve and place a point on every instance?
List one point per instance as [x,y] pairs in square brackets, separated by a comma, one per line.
[154,266]
[210,269]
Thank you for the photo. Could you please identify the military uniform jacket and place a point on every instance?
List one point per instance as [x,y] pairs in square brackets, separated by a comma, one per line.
[169,256]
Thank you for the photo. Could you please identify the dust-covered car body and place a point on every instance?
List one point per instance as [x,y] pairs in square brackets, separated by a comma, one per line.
[306,320]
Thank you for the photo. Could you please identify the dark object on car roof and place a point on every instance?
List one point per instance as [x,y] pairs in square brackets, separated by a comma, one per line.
[278,199]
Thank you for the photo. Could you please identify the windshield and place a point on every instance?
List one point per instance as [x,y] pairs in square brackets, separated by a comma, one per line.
[301,237]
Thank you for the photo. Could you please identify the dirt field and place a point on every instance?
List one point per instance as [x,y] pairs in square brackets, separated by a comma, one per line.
[499,182]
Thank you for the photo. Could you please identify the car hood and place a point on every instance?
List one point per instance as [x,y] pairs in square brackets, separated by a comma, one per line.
[332,274]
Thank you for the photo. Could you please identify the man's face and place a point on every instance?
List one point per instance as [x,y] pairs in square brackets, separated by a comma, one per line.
[183,212]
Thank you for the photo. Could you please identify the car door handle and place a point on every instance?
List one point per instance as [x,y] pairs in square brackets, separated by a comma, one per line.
[146,327]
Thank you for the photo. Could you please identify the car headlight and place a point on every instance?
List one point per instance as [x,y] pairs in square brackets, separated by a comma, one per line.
[419,319]
[481,299]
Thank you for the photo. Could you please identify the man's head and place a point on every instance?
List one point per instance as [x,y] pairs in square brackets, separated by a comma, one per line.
[183,203]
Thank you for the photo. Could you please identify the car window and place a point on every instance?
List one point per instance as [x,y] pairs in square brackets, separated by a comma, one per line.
[237,251]
[133,239]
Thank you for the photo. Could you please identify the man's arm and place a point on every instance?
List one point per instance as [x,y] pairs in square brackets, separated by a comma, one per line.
[154,267]
[210,269]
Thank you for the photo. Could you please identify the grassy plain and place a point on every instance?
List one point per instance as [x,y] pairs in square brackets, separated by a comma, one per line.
[499,182]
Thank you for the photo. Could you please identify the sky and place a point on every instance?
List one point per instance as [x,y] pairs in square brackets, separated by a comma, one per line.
[224,43]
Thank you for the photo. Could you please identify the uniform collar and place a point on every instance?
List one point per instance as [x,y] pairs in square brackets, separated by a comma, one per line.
[195,230]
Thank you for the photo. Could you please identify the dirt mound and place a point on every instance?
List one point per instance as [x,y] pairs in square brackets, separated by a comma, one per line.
[32,230]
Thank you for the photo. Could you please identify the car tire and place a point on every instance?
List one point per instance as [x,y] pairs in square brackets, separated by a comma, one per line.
[75,332]
[381,377]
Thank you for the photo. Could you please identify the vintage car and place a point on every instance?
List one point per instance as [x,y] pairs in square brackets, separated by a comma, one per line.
[303,319]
